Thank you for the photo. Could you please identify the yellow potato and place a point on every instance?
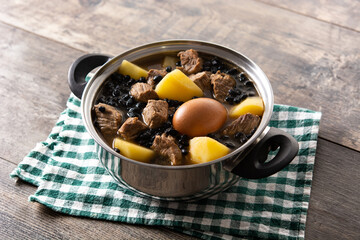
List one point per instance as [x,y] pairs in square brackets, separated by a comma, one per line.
[253,105]
[177,86]
[205,149]
[133,151]
[134,71]
[170,61]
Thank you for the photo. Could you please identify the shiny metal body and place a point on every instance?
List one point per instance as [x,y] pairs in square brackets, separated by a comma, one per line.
[188,182]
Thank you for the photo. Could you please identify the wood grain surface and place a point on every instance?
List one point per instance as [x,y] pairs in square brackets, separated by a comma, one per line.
[309,50]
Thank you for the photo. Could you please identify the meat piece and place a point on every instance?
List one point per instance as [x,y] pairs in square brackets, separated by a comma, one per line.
[222,83]
[155,113]
[190,62]
[245,124]
[142,92]
[202,80]
[108,118]
[131,128]
[154,73]
[166,147]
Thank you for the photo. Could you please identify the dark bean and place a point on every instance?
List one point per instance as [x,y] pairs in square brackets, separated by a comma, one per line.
[207,68]
[229,145]
[127,78]
[224,137]
[142,79]
[232,71]
[129,102]
[248,83]
[140,105]
[184,151]
[234,92]
[157,78]
[229,99]
[242,77]
[207,64]
[168,68]
[132,114]
[213,69]
[117,150]
[102,109]
[116,92]
[178,63]
[214,62]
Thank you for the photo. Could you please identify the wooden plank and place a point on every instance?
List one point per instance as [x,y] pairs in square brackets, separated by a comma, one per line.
[310,63]
[21,219]
[345,13]
[334,211]
[33,89]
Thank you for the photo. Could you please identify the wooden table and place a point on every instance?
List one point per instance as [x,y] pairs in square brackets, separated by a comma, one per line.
[310,51]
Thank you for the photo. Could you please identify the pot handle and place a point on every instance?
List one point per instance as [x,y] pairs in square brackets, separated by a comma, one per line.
[253,166]
[79,70]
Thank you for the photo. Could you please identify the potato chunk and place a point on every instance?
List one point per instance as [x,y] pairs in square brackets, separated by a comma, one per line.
[133,151]
[134,71]
[205,149]
[177,86]
[253,105]
[170,61]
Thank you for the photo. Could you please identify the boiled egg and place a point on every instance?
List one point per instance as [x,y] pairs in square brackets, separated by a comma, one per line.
[199,117]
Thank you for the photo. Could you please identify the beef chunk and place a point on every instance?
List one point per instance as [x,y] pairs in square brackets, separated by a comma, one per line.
[245,124]
[108,118]
[155,113]
[202,80]
[131,128]
[190,62]
[166,147]
[142,92]
[222,83]
[153,74]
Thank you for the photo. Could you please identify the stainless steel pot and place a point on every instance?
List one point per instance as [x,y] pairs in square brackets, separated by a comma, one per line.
[187,182]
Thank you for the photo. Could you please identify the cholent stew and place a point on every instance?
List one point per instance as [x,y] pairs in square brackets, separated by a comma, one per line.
[177,108]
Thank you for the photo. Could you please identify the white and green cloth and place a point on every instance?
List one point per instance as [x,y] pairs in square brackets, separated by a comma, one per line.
[70,179]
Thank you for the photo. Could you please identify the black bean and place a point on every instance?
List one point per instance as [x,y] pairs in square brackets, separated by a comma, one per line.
[232,71]
[129,102]
[178,63]
[207,68]
[234,92]
[142,79]
[213,69]
[214,62]
[224,137]
[229,145]
[168,68]
[140,105]
[102,109]
[157,78]
[96,124]
[117,150]
[243,77]
[184,151]
[229,99]
[126,78]
[132,114]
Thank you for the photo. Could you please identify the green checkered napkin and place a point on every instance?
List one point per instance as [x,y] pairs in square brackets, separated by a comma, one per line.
[70,179]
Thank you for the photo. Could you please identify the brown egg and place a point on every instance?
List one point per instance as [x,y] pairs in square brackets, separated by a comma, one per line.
[199,117]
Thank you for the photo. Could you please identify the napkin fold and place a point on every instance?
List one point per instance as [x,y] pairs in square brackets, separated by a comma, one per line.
[70,179]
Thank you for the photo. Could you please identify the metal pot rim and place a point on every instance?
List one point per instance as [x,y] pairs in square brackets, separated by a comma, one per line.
[251,68]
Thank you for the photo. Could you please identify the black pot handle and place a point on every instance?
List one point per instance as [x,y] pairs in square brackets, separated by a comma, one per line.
[80,68]
[253,166]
